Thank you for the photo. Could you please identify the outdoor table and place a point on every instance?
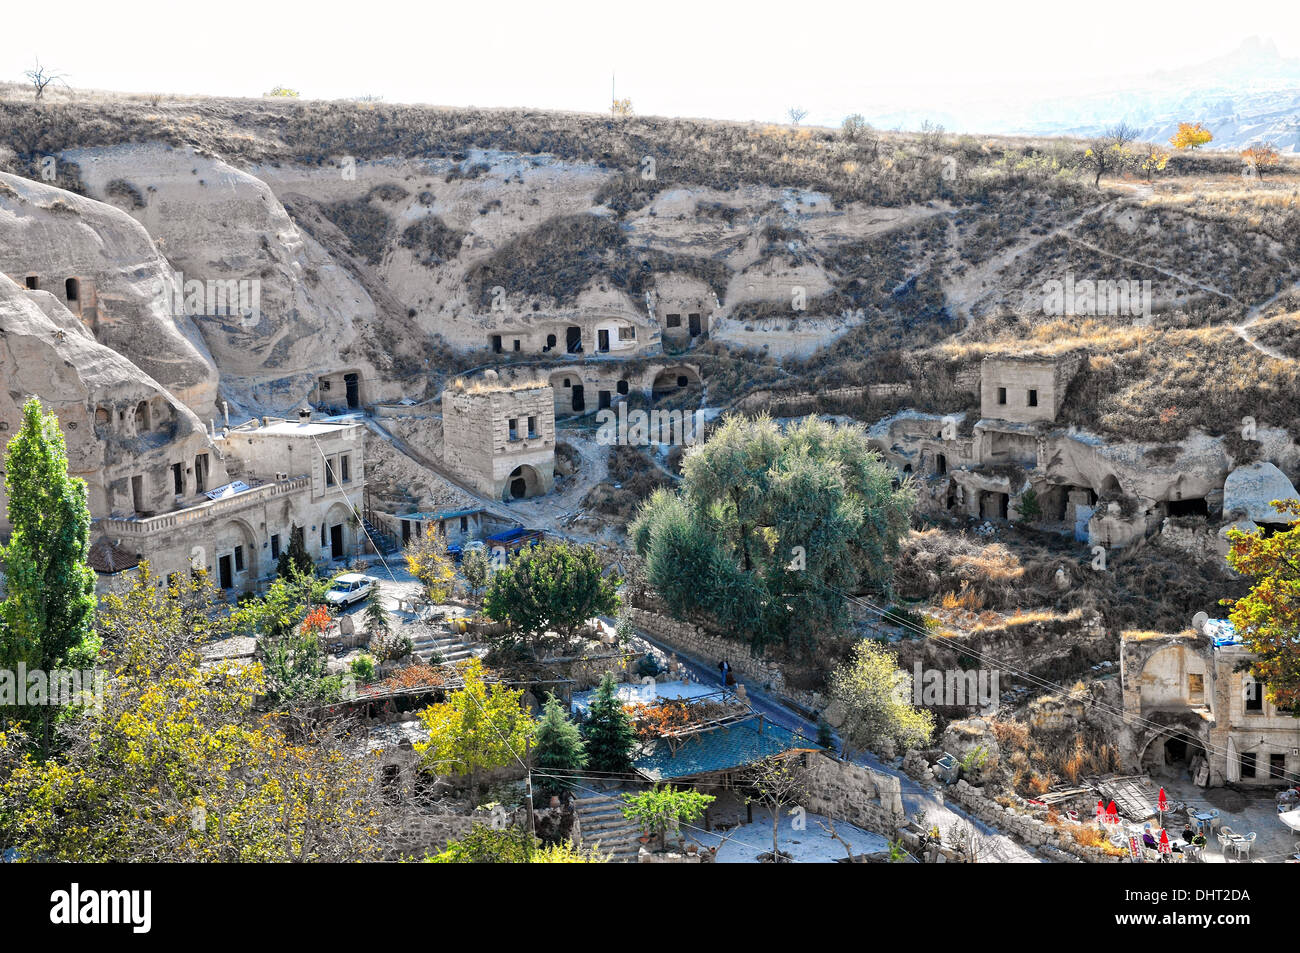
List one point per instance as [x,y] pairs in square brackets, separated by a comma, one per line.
[1206,819]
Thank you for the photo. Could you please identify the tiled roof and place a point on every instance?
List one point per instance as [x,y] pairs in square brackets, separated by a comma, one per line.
[719,750]
[107,557]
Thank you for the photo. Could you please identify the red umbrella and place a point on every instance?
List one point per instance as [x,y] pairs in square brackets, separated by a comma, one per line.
[1162,804]
[1164,842]
[1112,813]
[1101,810]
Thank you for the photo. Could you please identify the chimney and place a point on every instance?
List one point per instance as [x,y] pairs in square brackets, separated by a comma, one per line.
[304,414]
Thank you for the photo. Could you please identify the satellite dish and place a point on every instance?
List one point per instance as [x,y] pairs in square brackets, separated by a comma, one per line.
[1199,620]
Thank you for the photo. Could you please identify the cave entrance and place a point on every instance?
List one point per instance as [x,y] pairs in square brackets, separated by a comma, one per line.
[1196,506]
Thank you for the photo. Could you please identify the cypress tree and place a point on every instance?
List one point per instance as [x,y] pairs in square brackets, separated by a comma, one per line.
[48,612]
[558,747]
[608,730]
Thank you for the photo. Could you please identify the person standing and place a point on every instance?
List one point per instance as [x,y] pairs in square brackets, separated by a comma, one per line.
[725,668]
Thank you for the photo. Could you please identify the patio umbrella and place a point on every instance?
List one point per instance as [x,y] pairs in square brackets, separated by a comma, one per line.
[1165,847]
[1162,803]
[1234,764]
[1101,810]
[1112,813]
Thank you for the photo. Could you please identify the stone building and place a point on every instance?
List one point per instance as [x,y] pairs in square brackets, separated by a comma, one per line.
[1201,714]
[683,307]
[1025,389]
[1018,462]
[274,479]
[499,437]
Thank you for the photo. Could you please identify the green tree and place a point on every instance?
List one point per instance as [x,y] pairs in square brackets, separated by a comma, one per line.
[285,604]
[780,523]
[872,694]
[557,749]
[1029,507]
[177,764]
[297,668]
[378,621]
[295,560]
[476,569]
[478,728]
[48,614]
[1268,617]
[661,810]
[553,586]
[608,731]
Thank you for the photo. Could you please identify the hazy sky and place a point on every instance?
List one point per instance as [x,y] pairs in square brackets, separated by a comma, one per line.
[672,57]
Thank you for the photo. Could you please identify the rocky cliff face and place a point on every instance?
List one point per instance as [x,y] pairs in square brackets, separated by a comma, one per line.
[103,265]
[118,422]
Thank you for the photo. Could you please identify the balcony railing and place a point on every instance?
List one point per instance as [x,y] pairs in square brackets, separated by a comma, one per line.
[200,512]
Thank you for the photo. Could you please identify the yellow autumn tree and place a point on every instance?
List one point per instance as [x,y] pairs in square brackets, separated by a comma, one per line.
[1151,160]
[1190,136]
[427,559]
[174,762]
[481,727]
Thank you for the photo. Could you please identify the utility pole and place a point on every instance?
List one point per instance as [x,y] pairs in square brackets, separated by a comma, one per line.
[528,793]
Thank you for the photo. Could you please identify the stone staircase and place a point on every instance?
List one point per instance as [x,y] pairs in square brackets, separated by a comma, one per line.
[447,644]
[601,821]
[385,541]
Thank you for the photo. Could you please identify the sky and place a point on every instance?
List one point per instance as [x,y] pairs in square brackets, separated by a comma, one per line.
[750,61]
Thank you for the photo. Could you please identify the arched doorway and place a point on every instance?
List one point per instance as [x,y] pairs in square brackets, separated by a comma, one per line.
[524,481]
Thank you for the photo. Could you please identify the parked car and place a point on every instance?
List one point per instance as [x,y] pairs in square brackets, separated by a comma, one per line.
[457,552]
[348,589]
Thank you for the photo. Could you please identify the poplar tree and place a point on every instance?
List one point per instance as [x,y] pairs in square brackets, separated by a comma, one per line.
[46,619]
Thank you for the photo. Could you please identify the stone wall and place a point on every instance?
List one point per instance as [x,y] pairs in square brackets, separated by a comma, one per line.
[848,792]
[1017,821]
[694,641]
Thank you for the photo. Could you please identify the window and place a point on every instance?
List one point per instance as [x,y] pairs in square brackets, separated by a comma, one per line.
[1002,395]
[514,429]
[178,479]
[550,341]
[322,534]
[1277,766]
[1254,696]
[622,387]
[566,382]
[464,524]
[201,473]
[1248,764]
[532,426]
[1033,398]
[239,559]
[496,344]
[345,467]
[516,344]
[330,477]
[627,333]
[1195,686]
[70,290]
[674,320]
[275,545]
[33,283]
